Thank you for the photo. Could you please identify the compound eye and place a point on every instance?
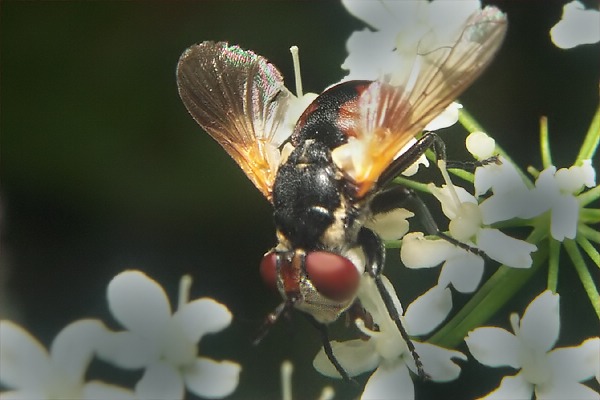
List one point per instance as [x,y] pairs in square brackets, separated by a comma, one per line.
[333,276]
[268,270]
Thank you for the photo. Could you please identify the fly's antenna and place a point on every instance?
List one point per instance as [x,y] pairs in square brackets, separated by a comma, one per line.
[297,75]
[270,320]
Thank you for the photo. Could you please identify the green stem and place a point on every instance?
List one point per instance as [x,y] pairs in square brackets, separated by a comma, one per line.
[491,296]
[514,222]
[553,259]
[464,175]
[421,187]
[584,274]
[589,216]
[392,244]
[590,250]
[592,139]
[586,198]
[588,233]
[468,122]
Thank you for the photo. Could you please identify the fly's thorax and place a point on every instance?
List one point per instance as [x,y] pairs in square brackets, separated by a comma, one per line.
[308,196]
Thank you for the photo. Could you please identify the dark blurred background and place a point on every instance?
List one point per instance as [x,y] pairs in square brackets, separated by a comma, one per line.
[103,169]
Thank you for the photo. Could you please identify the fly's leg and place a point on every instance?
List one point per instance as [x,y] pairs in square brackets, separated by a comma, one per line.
[322,328]
[375,254]
[402,197]
[429,140]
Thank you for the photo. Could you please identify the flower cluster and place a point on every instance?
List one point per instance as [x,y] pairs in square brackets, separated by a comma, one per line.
[162,343]
[551,374]
[547,207]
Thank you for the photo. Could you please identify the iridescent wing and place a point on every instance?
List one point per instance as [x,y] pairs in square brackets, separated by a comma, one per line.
[239,98]
[391,113]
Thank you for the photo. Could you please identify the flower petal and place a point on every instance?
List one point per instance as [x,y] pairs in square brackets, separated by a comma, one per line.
[212,379]
[373,13]
[139,303]
[390,382]
[428,311]
[370,297]
[127,350]
[463,271]
[501,178]
[565,215]
[366,45]
[511,388]
[448,17]
[25,394]
[572,179]
[446,198]
[480,145]
[447,118]
[559,390]
[438,362]
[24,362]
[419,252]
[494,347]
[355,356]
[587,173]
[390,225]
[578,26]
[505,249]
[540,324]
[73,348]
[202,316]
[100,390]
[576,364]
[160,381]
[414,167]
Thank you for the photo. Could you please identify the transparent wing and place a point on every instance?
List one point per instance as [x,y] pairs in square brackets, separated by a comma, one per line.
[239,98]
[393,112]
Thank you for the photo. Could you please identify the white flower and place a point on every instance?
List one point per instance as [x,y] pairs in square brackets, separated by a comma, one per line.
[283,130]
[386,352]
[578,26]
[503,179]
[511,197]
[480,145]
[468,225]
[447,118]
[391,225]
[403,29]
[551,374]
[35,373]
[166,343]
[461,268]
[556,191]
[295,108]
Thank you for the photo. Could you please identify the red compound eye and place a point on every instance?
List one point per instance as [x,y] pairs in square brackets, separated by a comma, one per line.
[334,276]
[268,270]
